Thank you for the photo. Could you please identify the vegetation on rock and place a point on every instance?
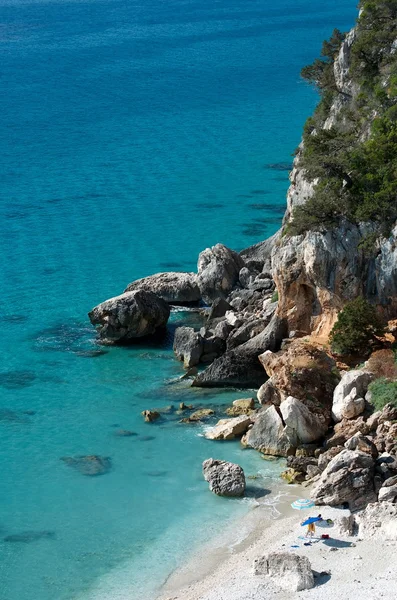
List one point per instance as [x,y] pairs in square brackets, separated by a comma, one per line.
[353,162]
[356,329]
[383,391]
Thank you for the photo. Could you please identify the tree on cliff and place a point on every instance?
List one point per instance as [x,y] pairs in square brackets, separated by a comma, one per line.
[356,329]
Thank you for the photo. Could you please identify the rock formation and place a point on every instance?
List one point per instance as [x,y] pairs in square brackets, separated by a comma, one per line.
[347,479]
[229,429]
[218,271]
[129,316]
[174,288]
[224,478]
[288,571]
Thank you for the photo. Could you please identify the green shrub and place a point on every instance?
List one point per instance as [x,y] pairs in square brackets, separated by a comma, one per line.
[356,329]
[383,392]
[275,296]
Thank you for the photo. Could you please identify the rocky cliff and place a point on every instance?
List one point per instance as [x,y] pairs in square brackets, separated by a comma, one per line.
[317,272]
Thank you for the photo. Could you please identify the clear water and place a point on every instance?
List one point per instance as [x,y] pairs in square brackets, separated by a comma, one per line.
[133,135]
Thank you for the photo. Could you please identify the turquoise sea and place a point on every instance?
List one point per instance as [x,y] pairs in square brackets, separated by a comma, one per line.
[133,133]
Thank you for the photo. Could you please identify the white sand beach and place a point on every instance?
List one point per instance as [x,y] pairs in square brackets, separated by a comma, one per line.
[364,569]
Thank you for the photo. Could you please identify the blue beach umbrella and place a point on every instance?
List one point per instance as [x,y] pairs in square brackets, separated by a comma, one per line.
[302,503]
[311,520]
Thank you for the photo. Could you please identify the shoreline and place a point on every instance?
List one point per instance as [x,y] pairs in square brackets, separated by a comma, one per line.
[344,565]
[238,536]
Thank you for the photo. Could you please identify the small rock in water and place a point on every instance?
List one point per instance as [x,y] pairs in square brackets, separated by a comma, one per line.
[124,433]
[146,438]
[150,415]
[89,465]
[30,536]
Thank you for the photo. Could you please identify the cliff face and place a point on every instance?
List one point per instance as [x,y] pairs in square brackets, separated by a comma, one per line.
[318,272]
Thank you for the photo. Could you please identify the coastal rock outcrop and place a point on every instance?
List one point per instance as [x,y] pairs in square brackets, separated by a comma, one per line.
[224,478]
[173,287]
[129,316]
[218,271]
[348,478]
[269,434]
[349,394]
[288,571]
[229,429]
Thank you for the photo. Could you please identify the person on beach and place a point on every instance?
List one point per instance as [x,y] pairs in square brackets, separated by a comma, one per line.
[311,528]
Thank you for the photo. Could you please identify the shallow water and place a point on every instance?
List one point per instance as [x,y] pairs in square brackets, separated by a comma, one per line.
[133,135]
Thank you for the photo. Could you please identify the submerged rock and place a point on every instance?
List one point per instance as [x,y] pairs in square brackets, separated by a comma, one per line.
[30,536]
[288,571]
[91,465]
[199,415]
[224,478]
[129,316]
[173,287]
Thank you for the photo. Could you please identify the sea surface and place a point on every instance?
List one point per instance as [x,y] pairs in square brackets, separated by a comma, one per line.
[133,135]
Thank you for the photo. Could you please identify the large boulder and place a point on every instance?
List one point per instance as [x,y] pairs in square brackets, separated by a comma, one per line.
[229,429]
[174,288]
[348,401]
[348,478]
[188,346]
[240,367]
[379,521]
[280,430]
[270,436]
[129,316]
[344,430]
[288,571]
[218,271]
[224,478]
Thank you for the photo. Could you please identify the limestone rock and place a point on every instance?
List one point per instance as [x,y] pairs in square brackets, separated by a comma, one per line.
[229,429]
[348,478]
[131,315]
[224,478]
[201,413]
[174,288]
[219,308]
[378,521]
[218,271]
[269,436]
[241,367]
[325,458]
[90,465]
[344,430]
[260,254]
[363,444]
[307,426]
[188,346]
[288,571]
[348,401]
[150,415]
[243,406]
[388,491]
